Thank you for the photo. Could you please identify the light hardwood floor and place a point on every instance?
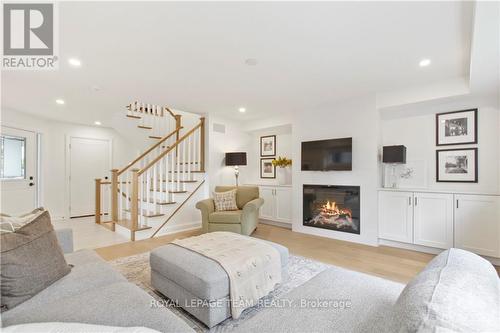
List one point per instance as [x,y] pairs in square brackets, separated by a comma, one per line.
[387,262]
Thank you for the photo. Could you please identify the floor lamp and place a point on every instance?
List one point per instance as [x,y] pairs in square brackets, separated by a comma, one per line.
[236,159]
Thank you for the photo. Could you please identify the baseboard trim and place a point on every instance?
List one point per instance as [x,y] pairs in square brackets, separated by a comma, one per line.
[168,230]
[276,223]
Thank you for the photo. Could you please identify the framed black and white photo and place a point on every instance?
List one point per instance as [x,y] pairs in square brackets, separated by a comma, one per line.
[268,145]
[456,128]
[267,169]
[457,165]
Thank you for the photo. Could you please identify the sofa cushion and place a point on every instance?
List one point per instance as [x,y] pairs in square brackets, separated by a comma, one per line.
[457,291]
[32,260]
[244,194]
[335,300]
[73,328]
[201,276]
[117,304]
[89,272]
[226,217]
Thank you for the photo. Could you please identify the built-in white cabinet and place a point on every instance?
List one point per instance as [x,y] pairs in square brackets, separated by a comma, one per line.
[433,219]
[477,224]
[441,220]
[277,203]
[395,216]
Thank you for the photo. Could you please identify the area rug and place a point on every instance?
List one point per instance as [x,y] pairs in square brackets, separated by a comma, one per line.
[136,269]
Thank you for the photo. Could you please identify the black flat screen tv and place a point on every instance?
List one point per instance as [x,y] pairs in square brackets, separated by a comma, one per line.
[327,155]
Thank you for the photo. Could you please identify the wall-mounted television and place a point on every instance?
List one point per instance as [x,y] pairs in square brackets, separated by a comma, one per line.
[327,155]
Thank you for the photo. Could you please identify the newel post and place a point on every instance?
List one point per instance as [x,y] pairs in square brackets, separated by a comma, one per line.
[98,200]
[114,195]
[134,204]
[202,144]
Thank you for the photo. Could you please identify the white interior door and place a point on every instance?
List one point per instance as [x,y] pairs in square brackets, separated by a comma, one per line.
[18,166]
[89,159]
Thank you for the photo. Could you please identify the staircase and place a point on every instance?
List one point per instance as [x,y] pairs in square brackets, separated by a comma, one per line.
[145,195]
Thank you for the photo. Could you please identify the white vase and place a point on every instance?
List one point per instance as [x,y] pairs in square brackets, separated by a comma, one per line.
[284,176]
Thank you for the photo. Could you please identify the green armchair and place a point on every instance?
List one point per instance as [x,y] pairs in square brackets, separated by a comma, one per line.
[242,221]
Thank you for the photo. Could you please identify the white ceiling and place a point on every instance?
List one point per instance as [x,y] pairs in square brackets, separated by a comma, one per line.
[191,56]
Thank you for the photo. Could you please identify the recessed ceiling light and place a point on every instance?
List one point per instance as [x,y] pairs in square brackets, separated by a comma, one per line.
[424,62]
[97,122]
[242,110]
[74,62]
[251,62]
[60,101]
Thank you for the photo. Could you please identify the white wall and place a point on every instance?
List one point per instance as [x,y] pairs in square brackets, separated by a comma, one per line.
[418,134]
[53,153]
[233,140]
[283,149]
[357,119]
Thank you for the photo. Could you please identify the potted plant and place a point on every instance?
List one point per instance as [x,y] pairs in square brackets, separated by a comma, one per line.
[284,172]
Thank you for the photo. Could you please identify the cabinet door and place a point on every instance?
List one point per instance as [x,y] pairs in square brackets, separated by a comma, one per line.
[395,216]
[433,219]
[477,221]
[268,208]
[283,196]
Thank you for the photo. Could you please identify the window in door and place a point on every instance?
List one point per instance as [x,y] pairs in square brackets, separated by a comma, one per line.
[12,157]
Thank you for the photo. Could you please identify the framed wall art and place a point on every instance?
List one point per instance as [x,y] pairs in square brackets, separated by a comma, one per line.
[267,169]
[456,128]
[268,145]
[457,165]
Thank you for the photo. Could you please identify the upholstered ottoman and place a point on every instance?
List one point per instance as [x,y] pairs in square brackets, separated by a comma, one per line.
[196,283]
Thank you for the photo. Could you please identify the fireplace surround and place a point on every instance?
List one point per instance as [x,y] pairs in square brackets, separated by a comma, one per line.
[332,207]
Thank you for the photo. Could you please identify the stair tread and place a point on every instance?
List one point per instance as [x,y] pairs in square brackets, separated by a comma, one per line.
[192,171]
[135,117]
[146,214]
[161,202]
[154,137]
[127,224]
[175,181]
[164,191]
[145,127]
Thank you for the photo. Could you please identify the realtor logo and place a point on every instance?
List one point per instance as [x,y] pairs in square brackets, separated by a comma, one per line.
[29,36]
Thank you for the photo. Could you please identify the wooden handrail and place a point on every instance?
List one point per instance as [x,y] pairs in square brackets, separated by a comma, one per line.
[159,157]
[149,150]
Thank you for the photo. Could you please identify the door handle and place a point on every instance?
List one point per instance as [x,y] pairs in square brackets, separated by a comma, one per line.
[416,201]
[409,201]
[457,203]
[31,184]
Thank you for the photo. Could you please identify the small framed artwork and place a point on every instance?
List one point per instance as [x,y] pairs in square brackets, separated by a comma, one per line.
[267,169]
[457,165]
[456,128]
[268,145]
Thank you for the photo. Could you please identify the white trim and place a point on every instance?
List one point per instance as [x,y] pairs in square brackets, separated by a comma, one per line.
[67,168]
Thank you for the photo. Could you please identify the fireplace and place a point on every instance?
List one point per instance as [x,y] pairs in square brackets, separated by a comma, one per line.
[332,207]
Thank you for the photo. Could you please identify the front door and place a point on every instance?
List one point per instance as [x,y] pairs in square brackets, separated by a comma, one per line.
[18,165]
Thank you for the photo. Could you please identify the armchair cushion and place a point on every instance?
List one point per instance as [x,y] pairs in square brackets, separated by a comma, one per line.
[225,201]
[244,194]
[226,217]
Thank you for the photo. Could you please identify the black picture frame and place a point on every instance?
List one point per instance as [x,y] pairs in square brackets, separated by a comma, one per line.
[475,163]
[262,160]
[262,153]
[438,122]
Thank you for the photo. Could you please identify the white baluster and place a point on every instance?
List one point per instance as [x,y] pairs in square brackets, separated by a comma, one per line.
[166,178]
[148,190]
[120,201]
[177,157]
[174,175]
[189,160]
[156,192]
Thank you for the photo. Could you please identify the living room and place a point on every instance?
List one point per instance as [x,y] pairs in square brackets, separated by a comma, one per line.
[355,146]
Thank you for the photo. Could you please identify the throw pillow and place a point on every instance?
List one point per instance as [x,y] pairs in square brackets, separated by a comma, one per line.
[225,201]
[12,223]
[31,261]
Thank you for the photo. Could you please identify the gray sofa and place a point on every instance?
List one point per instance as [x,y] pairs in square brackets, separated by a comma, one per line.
[457,291]
[93,293]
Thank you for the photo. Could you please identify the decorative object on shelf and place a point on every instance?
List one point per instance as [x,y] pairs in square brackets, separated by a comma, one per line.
[268,145]
[456,128]
[393,155]
[284,172]
[267,169]
[457,165]
[236,159]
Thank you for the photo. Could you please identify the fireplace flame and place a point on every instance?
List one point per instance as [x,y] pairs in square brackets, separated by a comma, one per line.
[332,209]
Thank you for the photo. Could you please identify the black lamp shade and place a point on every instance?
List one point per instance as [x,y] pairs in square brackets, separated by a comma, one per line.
[239,158]
[394,154]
